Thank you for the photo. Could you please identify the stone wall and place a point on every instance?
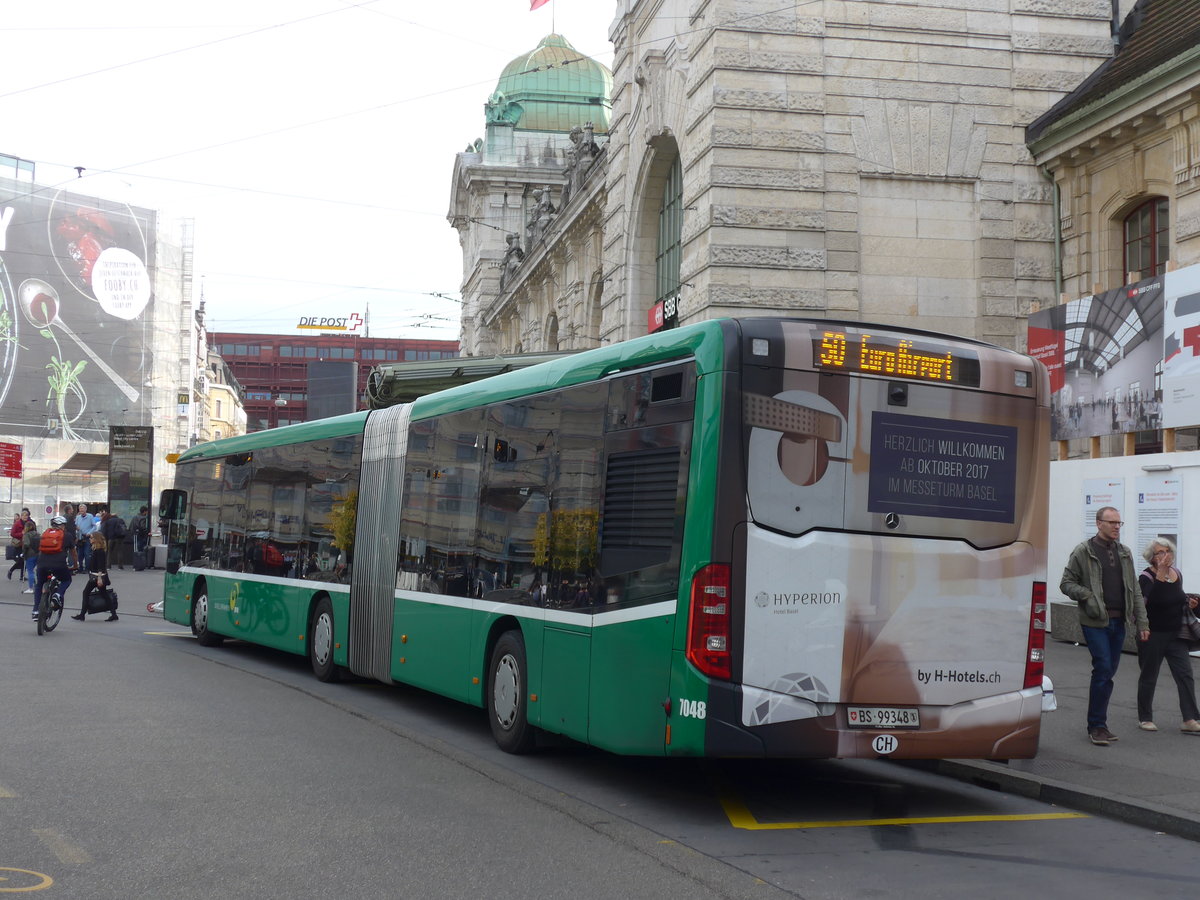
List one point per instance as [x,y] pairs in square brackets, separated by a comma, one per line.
[860,159]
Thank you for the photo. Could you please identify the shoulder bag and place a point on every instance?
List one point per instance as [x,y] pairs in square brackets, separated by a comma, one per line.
[1189,631]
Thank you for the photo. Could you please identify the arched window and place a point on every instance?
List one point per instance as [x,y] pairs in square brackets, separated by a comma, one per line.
[1147,238]
[668,253]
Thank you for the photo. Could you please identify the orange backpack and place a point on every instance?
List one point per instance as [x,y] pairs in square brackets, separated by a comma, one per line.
[52,541]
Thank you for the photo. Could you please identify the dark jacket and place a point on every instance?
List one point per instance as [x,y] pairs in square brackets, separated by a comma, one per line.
[112,528]
[98,563]
[1082,581]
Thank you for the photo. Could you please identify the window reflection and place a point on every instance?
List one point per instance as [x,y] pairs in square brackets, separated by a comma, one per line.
[505,505]
[271,512]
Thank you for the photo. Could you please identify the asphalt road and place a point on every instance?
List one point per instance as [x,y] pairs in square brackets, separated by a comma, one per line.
[136,764]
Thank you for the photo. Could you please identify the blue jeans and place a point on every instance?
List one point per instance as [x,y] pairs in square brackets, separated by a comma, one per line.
[1105,645]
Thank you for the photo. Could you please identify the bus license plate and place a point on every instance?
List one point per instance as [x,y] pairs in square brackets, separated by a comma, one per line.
[883,717]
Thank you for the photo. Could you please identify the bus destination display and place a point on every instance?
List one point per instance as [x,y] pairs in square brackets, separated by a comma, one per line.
[895,357]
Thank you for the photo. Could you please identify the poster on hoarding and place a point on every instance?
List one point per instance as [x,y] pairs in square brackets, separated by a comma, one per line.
[1102,352]
[76,285]
[1097,494]
[1181,349]
[1159,511]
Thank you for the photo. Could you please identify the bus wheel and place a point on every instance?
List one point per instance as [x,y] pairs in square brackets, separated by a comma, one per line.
[320,642]
[506,695]
[200,611]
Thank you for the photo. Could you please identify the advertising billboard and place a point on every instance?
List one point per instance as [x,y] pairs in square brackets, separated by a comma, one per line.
[1104,354]
[130,470]
[1181,349]
[76,286]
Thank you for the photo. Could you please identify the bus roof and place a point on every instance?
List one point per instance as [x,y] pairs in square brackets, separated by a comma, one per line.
[334,427]
[702,340]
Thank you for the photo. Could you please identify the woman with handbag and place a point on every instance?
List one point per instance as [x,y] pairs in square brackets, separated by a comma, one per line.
[1166,605]
[98,581]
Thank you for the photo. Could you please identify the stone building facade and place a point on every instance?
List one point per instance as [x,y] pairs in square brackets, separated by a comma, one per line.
[527,201]
[858,160]
[1123,150]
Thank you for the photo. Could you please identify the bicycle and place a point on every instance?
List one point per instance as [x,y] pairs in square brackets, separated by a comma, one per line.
[50,610]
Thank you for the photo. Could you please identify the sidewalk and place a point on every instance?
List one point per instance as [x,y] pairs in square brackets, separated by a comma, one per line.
[1146,778]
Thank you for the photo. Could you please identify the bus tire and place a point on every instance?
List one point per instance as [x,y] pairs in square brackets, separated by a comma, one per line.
[507,694]
[200,613]
[320,641]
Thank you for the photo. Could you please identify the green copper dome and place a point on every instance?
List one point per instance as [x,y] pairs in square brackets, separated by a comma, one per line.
[553,88]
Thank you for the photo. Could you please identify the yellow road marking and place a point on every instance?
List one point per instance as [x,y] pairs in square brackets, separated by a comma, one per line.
[44,882]
[67,853]
[741,817]
[5,793]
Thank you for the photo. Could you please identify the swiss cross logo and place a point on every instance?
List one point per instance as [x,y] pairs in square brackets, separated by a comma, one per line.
[854,715]
[355,321]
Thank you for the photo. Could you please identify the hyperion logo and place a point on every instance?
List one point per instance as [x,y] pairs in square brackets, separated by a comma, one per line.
[319,323]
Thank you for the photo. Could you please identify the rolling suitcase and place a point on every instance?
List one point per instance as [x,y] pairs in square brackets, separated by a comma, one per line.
[139,560]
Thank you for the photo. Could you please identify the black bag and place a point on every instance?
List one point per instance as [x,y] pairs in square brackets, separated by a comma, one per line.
[97,602]
[12,551]
[1189,631]
[118,529]
[139,560]
[102,601]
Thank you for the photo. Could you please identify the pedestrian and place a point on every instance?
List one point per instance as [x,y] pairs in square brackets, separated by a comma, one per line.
[85,524]
[140,526]
[1162,590]
[30,547]
[52,559]
[68,513]
[113,528]
[1100,578]
[98,580]
[17,534]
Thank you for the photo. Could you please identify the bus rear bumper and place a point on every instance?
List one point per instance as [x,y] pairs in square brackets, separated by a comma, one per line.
[1005,726]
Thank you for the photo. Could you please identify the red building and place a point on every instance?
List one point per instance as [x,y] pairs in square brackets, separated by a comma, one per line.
[275,368]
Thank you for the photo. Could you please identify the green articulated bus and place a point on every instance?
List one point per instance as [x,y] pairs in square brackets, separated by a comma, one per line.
[744,537]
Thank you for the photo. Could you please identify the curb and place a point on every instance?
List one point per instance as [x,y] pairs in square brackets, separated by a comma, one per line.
[996,776]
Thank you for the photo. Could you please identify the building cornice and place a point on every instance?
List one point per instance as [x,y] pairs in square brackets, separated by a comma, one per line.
[1138,97]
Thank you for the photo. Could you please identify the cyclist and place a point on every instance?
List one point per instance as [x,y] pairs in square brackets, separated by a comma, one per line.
[54,552]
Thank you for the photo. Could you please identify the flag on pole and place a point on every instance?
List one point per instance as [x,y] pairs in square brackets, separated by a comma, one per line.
[534,4]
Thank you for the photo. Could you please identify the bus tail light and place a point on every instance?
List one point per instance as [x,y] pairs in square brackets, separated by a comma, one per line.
[709,629]
[1035,660]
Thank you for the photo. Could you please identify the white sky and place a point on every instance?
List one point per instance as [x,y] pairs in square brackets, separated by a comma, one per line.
[312,141]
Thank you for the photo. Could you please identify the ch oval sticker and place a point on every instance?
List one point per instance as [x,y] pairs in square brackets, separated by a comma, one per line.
[884,744]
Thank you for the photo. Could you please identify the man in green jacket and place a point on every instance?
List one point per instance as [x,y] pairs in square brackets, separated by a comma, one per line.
[1099,577]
